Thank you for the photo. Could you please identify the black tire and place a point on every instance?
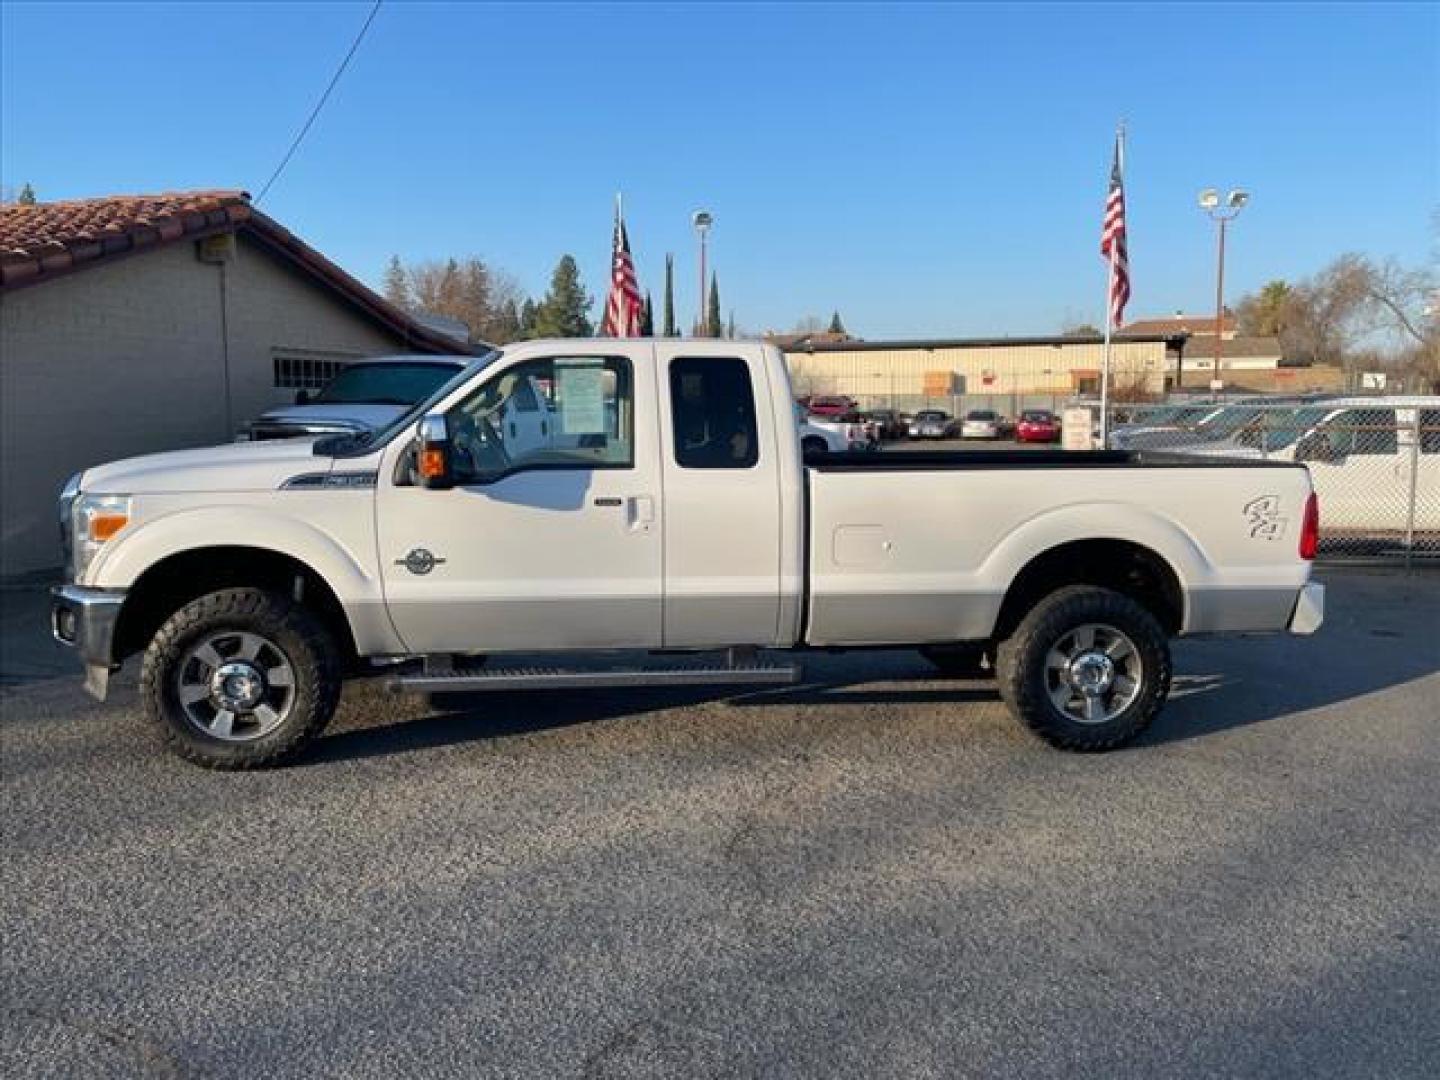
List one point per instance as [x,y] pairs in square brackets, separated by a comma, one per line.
[961,660]
[813,444]
[304,643]
[1026,678]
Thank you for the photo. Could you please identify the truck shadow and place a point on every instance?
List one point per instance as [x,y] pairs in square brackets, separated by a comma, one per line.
[1220,685]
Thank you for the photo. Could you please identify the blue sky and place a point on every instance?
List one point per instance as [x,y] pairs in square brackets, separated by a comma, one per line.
[928,170]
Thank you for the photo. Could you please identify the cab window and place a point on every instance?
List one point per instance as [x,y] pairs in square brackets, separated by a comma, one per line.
[560,412]
[713,408]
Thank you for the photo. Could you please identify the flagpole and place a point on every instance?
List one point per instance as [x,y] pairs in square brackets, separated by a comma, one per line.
[1110,308]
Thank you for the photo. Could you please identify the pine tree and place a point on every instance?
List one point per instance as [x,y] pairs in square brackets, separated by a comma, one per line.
[27,195]
[836,326]
[397,284]
[730,326]
[506,326]
[565,310]
[669,329]
[529,317]
[647,317]
[713,325]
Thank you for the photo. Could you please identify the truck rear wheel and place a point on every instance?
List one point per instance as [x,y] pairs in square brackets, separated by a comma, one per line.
[240,679]
[1086,669]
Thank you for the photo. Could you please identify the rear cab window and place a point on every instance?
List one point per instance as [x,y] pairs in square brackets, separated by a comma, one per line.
[712,404]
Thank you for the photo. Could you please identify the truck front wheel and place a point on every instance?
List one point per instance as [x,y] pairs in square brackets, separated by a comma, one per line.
[1086,669]
[240,678]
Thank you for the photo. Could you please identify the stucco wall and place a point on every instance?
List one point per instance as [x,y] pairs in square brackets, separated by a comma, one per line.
[130,357]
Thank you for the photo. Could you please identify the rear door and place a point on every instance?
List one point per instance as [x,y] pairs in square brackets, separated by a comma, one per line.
[723,514]
[1359,484]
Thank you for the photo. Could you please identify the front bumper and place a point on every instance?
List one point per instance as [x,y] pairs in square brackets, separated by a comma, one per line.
[85,620]
[1309,610]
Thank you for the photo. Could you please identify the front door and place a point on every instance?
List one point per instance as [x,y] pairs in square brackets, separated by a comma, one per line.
[551,536]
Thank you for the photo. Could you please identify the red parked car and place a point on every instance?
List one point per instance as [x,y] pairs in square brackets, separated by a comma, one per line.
[1037,425]
[834,407]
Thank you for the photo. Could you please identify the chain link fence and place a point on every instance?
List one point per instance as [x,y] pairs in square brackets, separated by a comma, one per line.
[1375,465]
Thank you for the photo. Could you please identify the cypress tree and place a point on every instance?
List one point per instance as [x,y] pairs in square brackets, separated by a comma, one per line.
[647,317]
[713,326]
[27,195]
[836,326]
[669,329]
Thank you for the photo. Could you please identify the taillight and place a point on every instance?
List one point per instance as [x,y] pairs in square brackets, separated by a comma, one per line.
[1310,528]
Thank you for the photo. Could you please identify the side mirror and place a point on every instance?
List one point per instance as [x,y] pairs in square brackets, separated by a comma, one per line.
[433,453]
[302,397]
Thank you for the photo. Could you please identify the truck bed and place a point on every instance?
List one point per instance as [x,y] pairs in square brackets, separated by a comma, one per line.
[922,546]
[932,460]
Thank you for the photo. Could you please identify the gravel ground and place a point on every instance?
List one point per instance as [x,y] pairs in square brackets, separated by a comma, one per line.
[878,874]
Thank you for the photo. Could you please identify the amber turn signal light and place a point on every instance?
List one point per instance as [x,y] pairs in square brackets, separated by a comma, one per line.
[104,526]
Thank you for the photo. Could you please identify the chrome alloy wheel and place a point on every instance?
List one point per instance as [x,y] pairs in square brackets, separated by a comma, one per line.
[236,686]
[1093,673]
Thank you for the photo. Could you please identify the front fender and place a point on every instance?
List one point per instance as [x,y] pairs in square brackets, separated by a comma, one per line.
[344,564]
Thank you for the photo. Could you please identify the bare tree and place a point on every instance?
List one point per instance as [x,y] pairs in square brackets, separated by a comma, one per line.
[485,298]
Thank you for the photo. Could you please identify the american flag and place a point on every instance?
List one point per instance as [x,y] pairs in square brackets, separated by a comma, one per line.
[1112,240]
[622,309]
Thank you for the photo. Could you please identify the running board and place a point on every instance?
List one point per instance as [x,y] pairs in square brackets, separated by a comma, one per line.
[562,679]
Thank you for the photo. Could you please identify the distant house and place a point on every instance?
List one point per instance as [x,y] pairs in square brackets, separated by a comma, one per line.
[136,323]
[1180,323]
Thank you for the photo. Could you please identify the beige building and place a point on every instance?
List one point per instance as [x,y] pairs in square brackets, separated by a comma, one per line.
[1003,373]
[142,323]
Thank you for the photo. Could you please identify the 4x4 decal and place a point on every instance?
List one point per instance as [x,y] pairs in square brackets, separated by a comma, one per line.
[1263,516]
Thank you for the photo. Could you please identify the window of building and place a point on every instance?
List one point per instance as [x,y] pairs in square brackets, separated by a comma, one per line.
[713,407]
[307,369]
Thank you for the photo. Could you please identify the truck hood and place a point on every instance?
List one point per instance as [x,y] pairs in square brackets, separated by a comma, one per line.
[247,466]
[355,414]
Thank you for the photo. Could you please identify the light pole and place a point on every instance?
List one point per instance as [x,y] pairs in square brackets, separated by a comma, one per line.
[1222,212]
[703,221]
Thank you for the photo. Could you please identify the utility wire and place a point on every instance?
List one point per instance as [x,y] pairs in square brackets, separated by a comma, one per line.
[321,103]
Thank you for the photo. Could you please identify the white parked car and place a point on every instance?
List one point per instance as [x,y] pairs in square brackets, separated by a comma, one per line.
[666,508]
[980,424]
[1365,458]
[369,393]
[822,434]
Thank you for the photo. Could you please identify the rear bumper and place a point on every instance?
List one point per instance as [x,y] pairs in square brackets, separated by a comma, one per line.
[85,620]
[1309,610]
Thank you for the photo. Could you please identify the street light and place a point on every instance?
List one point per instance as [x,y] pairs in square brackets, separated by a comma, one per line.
[1222,212]
[703,221]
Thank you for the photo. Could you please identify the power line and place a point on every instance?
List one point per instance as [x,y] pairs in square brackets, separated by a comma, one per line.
[320,104]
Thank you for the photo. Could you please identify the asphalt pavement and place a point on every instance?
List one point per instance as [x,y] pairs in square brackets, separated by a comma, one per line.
[876,874]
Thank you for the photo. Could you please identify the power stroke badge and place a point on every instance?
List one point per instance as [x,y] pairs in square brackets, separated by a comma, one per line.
[1263,517]
[419,561]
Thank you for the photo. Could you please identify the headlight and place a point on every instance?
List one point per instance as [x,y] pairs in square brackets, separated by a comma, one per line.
[94,519]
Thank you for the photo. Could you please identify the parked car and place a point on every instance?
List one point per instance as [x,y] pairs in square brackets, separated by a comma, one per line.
[369,393]
[684,519]
[1364,457]
[885,424]
[1038,425]
[819,434]
[932,424]
[980,424]
[831,406]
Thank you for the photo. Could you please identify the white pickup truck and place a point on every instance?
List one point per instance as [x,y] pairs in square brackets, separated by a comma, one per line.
[666,510]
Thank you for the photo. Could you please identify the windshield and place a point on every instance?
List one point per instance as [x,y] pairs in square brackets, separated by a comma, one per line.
[930,414]
[1275,429]
[387,383]
[1036,417]
[344,444]
[980,414]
